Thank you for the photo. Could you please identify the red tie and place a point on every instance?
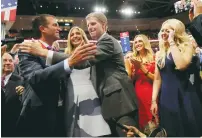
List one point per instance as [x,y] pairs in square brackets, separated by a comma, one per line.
[2,82]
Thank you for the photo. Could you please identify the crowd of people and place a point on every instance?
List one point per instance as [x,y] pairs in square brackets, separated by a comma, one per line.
[92,89]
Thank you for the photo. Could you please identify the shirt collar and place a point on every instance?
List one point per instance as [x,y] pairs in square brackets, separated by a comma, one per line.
[44,43]
[7,77]
[101,36]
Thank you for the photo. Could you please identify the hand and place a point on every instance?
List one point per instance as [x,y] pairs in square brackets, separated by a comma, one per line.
[33,48]
[136,62]
[198,50]
[19,90]
[15,48]
[128,55]
[154,108]
[3,50]
[197,5]
[133,130]
[191,14]
[171,35]
[82,53]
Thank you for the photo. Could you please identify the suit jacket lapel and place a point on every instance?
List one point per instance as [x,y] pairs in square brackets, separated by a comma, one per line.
[93,71]
[9,92]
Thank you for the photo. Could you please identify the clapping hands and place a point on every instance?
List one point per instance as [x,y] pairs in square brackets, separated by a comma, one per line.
[136,61]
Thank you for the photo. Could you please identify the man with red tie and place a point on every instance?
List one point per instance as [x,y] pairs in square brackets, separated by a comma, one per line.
[11,104]
[47,81]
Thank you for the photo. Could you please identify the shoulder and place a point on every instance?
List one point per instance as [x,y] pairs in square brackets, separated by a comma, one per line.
[16,77]
[157,54]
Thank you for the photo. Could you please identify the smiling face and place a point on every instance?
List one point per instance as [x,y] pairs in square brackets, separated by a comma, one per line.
[139,44]
[76,37]
[164,33]
[7,64]
[52,29]
[95,28]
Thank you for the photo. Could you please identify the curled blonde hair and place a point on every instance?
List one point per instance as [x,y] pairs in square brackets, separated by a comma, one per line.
[147,47]
[181,39]
[70,47]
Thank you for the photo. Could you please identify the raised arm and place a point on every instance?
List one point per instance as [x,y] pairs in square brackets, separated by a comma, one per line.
[35,72]
[181,60]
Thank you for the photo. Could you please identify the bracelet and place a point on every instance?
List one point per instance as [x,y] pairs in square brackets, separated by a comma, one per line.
[147,73]
[154,101]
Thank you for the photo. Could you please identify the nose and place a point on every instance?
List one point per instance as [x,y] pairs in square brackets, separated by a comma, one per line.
[59,29]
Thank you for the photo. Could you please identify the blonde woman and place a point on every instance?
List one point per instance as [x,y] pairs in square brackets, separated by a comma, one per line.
[179,107]
[142,70]
[83,115]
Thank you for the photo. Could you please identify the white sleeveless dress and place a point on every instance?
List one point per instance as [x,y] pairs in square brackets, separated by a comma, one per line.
[84,118]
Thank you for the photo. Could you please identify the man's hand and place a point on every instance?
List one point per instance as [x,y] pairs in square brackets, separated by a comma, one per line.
[33,48]
[82,53]
[19,90]
[197,50]
[15,49]
[197,9]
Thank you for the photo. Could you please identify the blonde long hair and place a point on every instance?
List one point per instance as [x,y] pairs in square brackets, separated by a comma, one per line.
[70,48]
[147,46]
[181,39]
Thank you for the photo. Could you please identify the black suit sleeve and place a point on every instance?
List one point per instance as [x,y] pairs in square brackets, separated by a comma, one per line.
[58,57]
[36,72]
[195,27]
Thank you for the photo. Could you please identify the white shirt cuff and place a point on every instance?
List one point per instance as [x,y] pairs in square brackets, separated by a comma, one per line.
[66,66]
[49,58]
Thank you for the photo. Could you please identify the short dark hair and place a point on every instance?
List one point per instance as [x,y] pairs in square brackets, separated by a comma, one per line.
[38,21]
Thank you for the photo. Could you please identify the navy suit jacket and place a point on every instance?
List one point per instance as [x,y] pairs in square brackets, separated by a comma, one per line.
[42,94]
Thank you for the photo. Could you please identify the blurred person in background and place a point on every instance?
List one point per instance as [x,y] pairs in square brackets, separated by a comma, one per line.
[11,86]
[195,16]
[179,109]
[141,68]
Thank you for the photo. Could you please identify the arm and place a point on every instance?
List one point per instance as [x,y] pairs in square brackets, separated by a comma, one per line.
[181,60]
[80,54]
[195,27]
[128,68]
[147,72]
[36,73]
[105,50]
[156,84]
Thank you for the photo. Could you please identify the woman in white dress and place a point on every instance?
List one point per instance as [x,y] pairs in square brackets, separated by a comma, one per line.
[83,116]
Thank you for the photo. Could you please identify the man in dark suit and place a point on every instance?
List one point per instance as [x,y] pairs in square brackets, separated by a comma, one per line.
[195,16]
[12,104]
[109,76]
[46,116]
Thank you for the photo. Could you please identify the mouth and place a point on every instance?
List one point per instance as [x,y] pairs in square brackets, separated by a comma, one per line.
[138,47]
[76,40]
[92,31]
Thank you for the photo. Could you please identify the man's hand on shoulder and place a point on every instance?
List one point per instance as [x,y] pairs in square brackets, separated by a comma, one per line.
[33,48]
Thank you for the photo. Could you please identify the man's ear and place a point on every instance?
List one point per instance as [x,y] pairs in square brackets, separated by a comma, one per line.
[41,28]
[104,26]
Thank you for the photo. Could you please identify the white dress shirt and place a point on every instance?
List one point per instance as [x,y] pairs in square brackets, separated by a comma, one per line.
[50,56]
[7,77]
